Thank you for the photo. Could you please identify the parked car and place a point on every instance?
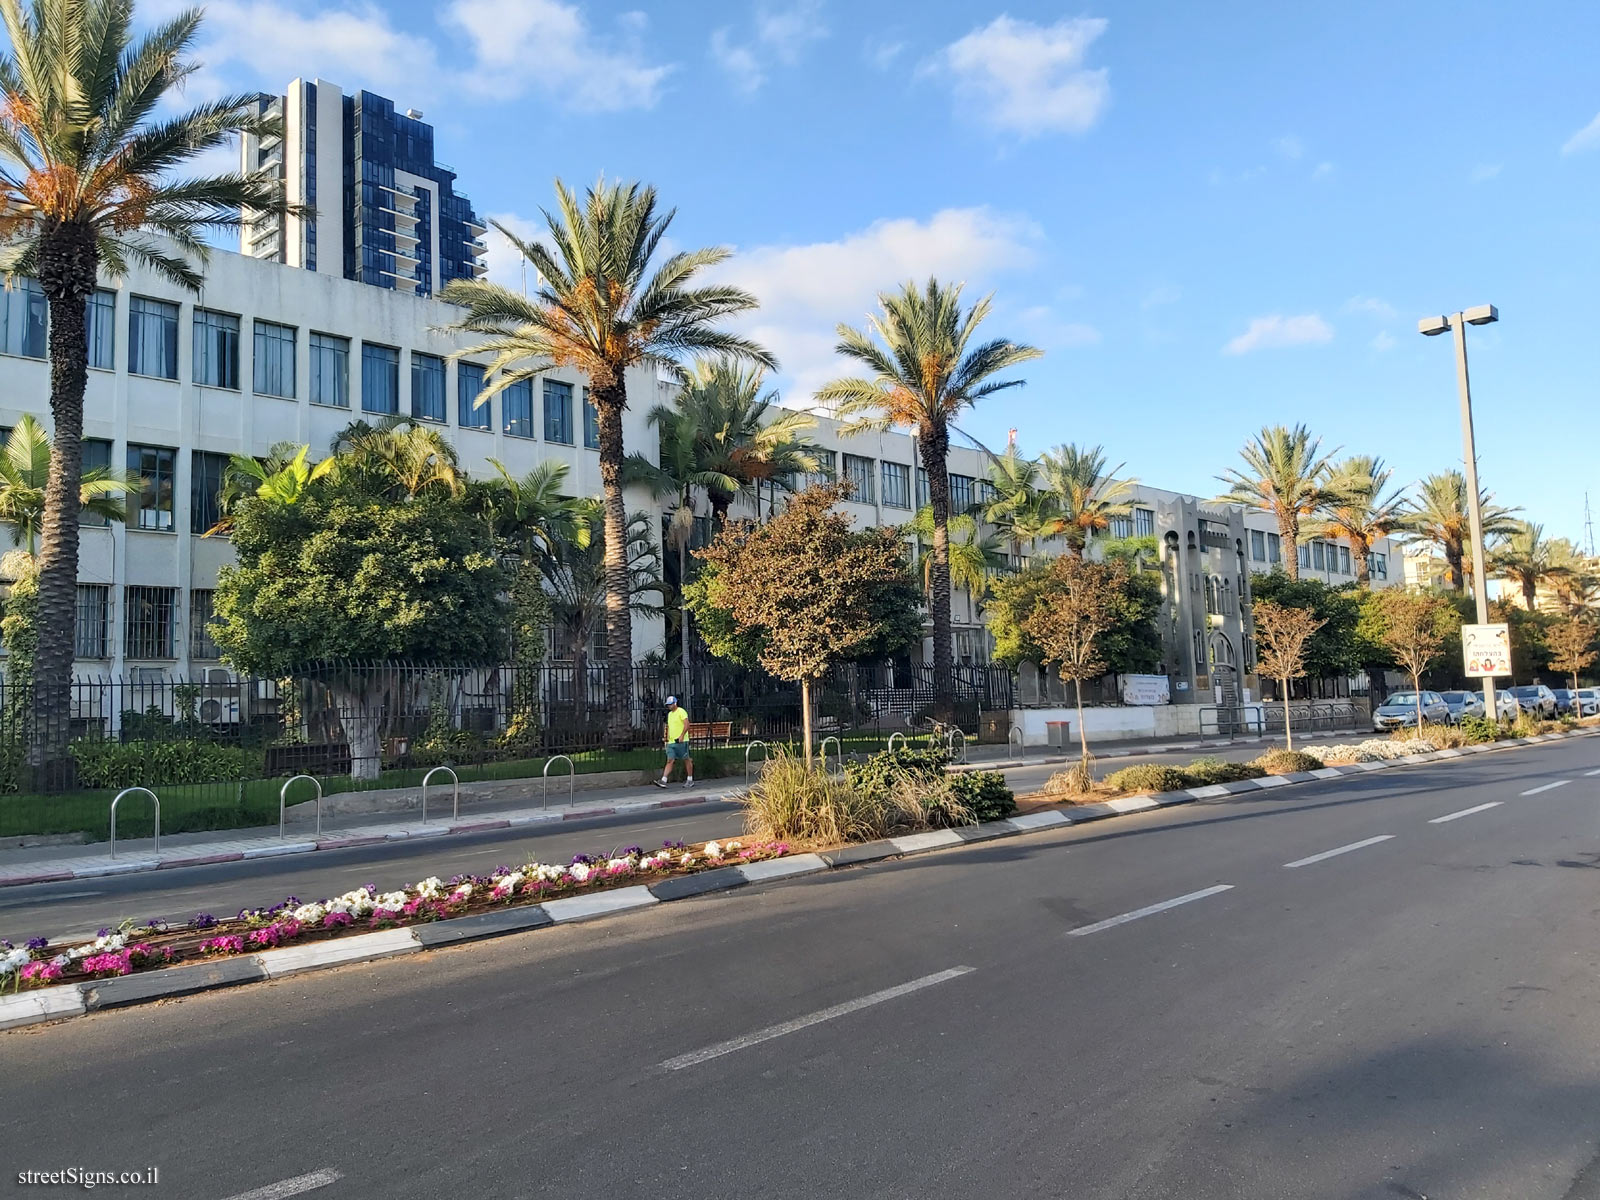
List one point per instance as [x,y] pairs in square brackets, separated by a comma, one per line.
[1399,711]
[1463,705]
[1535,698]
[1589,702]
[1566,700]
[1505,704]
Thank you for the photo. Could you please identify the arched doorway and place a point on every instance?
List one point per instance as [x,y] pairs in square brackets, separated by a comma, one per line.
[1224,669]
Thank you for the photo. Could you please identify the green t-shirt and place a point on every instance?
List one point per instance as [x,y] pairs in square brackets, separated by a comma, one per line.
[677,725]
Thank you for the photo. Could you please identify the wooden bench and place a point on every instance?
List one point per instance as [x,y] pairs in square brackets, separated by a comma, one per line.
[314,758]
[710,731]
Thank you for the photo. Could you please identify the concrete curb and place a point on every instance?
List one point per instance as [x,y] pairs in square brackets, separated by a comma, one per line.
[73,1000]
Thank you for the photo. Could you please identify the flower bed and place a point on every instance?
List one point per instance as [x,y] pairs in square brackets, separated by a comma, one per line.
[134,946]
[1371,750]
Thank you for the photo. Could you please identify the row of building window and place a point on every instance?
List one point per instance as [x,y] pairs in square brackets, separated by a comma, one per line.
[153,352]
[149,624]
[1316,555]
[889,483]
[1141,523]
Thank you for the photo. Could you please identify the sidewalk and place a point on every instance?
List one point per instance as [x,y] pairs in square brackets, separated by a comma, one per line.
[54,864]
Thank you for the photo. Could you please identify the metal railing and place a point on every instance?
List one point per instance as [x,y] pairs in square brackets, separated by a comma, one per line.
[455,781]
[765,756]
[572,774]
[154,799]
[824,751]
[283,796]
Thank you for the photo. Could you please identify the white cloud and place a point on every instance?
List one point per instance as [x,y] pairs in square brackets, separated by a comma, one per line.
[1484,172]
[505,260]
[1324,169]
[264,43]
[1029,79]
[806,290]
[1383,341]
[1277,331]
[737,60]
[1290,147]
[1586,138]
[1371,306]
[544,44]
[882,55]
[779,35]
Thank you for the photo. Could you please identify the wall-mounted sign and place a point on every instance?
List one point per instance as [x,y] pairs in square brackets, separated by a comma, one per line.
[1486,650]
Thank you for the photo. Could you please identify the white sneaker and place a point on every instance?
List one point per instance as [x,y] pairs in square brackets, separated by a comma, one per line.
[661,783]
[689,783]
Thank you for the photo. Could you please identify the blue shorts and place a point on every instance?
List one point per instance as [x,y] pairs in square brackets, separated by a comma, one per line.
[677,750]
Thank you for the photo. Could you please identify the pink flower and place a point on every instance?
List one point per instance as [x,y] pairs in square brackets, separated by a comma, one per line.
[41,972]
[231,943]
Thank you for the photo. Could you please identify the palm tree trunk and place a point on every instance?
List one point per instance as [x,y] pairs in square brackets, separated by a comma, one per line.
[721,502]
[609,401]
[683,612]
[69,261]
[1289,536]
[1530,591]
[1362,553]
[935,445]
[1453,557]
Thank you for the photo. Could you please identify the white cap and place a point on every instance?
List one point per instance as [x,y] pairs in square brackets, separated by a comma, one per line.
[671,700]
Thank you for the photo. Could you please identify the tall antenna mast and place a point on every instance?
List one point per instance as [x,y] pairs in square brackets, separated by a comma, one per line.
[1588,528]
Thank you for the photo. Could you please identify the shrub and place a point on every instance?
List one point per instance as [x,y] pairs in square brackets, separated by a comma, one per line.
[1147,777]
[1526,725]
[985,793]
[795,803]
[1478,730]
[1287,762]
[1203,772]
[106,764]
[878,773]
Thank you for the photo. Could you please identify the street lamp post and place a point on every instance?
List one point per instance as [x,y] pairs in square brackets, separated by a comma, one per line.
[1483,314]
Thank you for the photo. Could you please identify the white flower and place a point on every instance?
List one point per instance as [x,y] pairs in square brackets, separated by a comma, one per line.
[309,914]
[713,850]
[507,884]
[733,846]
[392,900]
[430,887]
[549,872]
[579,872]
[13,961]
[628,862]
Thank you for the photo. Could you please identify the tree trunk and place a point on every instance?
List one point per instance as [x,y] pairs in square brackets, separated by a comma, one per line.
[1416,686]
[805,717]
[609,401]
[721,502]
[1289,537]
[1288,722]
[580,678]
[1083,733]
[68,265]
[683,611]
[1530,591]
[934,440]
[1454,554]
[1362,553]
[360,725]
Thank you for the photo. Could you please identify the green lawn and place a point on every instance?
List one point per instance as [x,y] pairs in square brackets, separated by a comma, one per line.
[190,808]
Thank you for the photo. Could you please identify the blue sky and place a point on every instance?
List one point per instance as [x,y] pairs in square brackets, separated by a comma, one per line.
[1210,217]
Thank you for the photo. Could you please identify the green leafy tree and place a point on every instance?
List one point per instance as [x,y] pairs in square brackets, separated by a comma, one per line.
[924,370]
[1081,494]
[95,174]
[339,577]
[1360,507]
[532,515]
[975,555]
[24,475]
[1131,645]
[1571,641]
[806,586]
[1338,646]
[1018,509]
[399,459]
[603,306]
[1439,515]
[1416,627]
[1284,473]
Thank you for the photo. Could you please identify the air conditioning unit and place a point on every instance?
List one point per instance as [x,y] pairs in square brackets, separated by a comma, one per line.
[219,699]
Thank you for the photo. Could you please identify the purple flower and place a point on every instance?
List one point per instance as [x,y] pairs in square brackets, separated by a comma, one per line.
[627,850]
[6,945]
[37,943]
[202,921]
[105,931]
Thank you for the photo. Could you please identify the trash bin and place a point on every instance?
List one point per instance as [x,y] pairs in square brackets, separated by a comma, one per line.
[1058,733]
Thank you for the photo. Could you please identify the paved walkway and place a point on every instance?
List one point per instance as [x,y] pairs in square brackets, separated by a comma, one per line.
[52,864]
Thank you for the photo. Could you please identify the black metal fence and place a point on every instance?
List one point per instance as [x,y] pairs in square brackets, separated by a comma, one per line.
[1248,720]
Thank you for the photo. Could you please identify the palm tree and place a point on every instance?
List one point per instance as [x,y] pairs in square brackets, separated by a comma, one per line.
[602,310]
[925,372]
[25,473]
[282,477]
[1439,515]
[678,478]
[533,513]
[90,178]
[1283,476]
[741,434]
[1527,559]
[1577,581]
[398,458]
[1017,507]
[1082,497]
[1358,509]
[578,578]
[975,556]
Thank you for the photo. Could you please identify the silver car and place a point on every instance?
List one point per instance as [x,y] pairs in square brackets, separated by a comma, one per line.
[1399,711]
[1463,705]
[1535,698]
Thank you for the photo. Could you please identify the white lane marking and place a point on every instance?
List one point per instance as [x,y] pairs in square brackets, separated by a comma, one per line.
[1466,812]
[1596,771]
[1150,910]
[838,1010]
[1545,787]
[1361,845]
[292,1187]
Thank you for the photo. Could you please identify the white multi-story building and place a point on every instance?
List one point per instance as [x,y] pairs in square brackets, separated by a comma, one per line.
[266,353]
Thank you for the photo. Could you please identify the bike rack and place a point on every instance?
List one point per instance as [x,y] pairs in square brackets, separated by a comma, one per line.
[1022,746]
[950,744]
[572,774]
[283,794]
[765,756]
[154,799]
[455,807]
[831,738]
[905,742]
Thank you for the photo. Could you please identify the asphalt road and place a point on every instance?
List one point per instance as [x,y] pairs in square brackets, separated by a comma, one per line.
[1327,991]
[79,907]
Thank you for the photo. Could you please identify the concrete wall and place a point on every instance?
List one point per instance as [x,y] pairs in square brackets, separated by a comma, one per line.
[1113,724]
